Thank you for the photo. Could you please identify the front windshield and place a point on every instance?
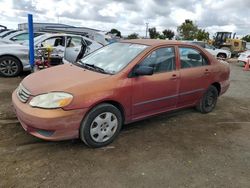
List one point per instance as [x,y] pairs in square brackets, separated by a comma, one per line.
[114,57]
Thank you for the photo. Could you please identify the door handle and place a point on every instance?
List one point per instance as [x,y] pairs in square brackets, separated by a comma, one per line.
[174,77]
[76,50]
[207,72]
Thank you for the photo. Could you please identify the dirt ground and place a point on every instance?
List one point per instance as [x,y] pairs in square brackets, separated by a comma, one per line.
[181,149]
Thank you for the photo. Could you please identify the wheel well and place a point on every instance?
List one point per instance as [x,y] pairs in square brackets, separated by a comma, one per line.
[221,54]
[116,104]
[7,55]
[218,87]
[119,106]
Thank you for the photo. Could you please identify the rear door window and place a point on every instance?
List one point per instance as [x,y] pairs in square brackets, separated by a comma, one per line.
[190,58]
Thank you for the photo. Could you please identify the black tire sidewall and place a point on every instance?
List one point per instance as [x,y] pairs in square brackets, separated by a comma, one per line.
[202,105]
[86,123]
[19,69]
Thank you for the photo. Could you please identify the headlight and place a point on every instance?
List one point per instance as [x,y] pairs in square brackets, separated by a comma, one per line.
[51,100]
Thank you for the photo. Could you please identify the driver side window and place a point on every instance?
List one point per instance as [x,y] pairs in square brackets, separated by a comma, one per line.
[161,60]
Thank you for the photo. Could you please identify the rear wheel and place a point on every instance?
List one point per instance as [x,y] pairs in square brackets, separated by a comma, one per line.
[208,101]
[10,66]
[101,126]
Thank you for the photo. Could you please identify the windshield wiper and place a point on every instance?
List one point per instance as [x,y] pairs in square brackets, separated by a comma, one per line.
[93,67]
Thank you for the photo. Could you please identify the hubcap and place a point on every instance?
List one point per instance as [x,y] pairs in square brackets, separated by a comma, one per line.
[103,127]
[8,67]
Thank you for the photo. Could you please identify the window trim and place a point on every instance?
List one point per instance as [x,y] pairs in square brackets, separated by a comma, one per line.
[63,37]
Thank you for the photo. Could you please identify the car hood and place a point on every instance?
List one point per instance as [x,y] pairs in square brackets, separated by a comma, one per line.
[65,77]
[221,50]
[246,53]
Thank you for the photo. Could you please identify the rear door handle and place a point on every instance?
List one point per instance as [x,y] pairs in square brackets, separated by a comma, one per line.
[174,77]
[207,72]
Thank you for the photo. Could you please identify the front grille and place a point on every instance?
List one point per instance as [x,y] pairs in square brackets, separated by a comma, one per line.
[23,94]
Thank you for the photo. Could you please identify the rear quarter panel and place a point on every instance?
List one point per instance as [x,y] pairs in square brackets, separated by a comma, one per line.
[221,74]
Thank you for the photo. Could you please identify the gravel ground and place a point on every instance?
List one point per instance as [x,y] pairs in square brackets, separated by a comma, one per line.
[180,149]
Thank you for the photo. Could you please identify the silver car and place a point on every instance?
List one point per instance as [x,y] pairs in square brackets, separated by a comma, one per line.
[14,58]
[17,37]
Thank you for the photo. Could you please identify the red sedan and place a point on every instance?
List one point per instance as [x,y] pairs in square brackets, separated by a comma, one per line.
[118,84]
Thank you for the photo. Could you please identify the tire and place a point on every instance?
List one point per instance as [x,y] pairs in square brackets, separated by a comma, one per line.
[101,125]
[221,55]
[208,101]
[10,66]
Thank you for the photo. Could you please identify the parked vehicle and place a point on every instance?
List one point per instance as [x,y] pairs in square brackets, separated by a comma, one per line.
[2,28]
[14,57]
[219,53]
[244,57]
[248,46]
[227,41]
[17,37]
[7,32]
[118,84]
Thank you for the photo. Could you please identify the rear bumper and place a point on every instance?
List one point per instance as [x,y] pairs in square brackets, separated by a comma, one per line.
[48,124]
[224,86]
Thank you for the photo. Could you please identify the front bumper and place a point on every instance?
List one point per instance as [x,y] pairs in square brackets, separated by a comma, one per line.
[48,124]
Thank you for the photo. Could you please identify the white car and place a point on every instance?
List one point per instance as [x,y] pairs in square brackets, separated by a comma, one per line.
[14,58]
[5,33]
[244,57]
[219,53]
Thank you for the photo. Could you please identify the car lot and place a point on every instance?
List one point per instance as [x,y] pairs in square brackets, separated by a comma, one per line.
[181,149]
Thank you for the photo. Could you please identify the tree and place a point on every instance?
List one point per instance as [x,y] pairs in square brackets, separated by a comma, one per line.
[162,37]
[168,33]
[133,36]
[246,38]
[202,35]
[115,32]
[153,33]
[190,31]
[187,30]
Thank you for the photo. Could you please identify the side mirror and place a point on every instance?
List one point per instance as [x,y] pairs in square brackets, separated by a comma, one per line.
[144,70]
[14,39]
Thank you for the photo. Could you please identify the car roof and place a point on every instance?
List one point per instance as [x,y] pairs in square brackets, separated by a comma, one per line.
[60,34]
[153,42]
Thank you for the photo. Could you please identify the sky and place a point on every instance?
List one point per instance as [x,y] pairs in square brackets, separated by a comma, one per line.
[131,16]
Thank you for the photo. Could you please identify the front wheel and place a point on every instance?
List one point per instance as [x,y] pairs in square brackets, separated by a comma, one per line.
[101,126]
[208,101]
[222,56]
[10,66]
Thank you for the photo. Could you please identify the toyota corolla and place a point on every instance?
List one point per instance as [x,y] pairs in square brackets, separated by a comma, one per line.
[116,85]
